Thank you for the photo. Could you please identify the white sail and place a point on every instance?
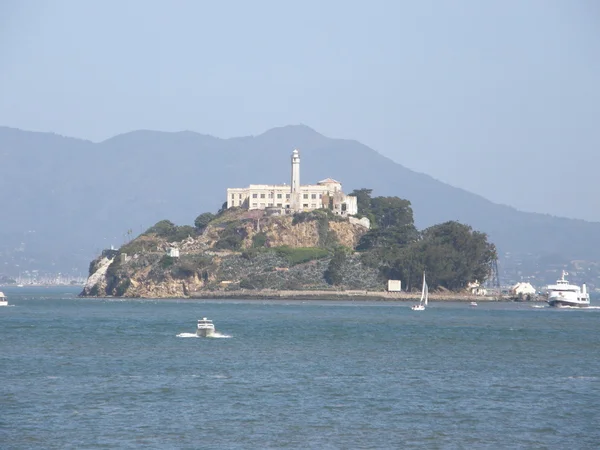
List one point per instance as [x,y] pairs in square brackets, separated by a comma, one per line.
[424,297]
[424,292]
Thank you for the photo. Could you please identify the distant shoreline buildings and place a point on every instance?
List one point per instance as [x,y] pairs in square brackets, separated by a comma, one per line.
[293,198]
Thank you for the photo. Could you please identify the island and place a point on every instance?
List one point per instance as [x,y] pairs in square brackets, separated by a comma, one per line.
[297,241]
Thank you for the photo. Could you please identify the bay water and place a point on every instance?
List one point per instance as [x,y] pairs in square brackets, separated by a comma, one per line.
[110,373]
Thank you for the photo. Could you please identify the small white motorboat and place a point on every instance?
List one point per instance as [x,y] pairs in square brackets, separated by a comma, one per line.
[205,328]
[473,303]
[3,299]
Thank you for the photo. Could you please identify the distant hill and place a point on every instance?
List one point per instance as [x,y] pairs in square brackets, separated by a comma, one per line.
[63,200]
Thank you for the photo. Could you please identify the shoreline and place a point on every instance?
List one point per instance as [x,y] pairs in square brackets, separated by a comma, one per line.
[342,295]
[320,295]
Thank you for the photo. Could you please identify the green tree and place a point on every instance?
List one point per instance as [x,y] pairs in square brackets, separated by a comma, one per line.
[363,200]
[333,274]
[203,220]
[451,253]
[162,228]
[392,225]
[391,212]
[222,209]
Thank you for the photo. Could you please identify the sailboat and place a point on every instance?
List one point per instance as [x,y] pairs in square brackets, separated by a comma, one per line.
[424,297]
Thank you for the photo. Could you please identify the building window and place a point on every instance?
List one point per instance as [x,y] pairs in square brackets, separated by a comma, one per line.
[255,205]
[262,195]
[287,196]
[240,196]
[305,205]
[262,205]
[313,196]
[232,196]
[279,205]
[270,195]
[278,195]
[254,195]
[305,195]
[320,195]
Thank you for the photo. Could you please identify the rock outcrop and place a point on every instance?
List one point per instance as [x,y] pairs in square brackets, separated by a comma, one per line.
[237,250]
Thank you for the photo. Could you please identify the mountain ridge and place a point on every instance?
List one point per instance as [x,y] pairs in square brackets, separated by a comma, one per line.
[89,194]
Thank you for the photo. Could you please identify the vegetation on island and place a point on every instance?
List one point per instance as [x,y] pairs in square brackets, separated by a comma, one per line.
[230,250]
[452,254]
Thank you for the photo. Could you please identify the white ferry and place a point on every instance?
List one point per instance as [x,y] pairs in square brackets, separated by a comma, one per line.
[205,328]
[564,294]
[3,299]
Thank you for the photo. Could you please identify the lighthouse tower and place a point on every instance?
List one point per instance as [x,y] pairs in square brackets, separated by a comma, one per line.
[295,185]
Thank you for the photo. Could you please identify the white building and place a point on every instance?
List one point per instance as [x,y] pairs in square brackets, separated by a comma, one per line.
[394,286]
[295,197]
[475,288]
[522,288]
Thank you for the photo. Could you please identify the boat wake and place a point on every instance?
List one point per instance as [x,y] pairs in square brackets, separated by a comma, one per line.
[213,336]
[579,308]
[218,335]
[187,335]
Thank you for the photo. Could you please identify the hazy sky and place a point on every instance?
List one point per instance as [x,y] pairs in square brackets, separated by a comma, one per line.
[501,98]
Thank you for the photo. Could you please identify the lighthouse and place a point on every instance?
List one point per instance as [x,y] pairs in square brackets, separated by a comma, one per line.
[295,184]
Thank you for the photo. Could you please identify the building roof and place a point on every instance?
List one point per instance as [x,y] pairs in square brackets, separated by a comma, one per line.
[328,181]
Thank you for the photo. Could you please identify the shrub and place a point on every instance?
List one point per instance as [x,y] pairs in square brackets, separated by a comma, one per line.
[254,282]
[162,228]
[181,233]
[166,261]
[198,261]
[259,240]
[301,217]
[183,269]
[246,284]
[250,253]
[203,220]
[230,242]
[171,232]
[230,239]
[140,245]
[333,274]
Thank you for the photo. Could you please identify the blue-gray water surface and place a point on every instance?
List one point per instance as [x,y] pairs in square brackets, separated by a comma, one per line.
[101,373]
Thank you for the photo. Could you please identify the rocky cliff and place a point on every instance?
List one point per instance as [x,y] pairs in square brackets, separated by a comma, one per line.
[238,249]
